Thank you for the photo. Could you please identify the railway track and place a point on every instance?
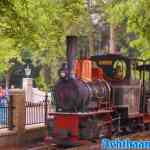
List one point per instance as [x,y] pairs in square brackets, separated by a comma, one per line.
[86,146]
[136,136]
[96,146]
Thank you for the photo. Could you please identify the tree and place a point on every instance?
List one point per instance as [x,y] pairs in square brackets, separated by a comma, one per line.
[135,16]
[42,26]
[8,56]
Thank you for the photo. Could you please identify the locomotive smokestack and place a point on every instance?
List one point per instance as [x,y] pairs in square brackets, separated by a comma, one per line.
[71,54]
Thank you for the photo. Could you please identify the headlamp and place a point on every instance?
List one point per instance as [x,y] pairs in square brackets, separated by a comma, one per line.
[62,74]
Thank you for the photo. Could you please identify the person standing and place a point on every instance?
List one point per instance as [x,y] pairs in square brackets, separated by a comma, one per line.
[2,95]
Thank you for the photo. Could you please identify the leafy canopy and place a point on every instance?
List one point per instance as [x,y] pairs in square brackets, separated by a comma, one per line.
[39,27]
[135,15]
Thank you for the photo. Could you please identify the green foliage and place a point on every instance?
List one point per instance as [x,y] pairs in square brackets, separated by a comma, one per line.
[139,23]
[116,11]
[37,29]
[40,83]
[7,52]
[31,29]
[26,55]
[134,14]
[145,54]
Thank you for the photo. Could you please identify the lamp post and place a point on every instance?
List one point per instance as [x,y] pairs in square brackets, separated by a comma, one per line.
[27,84]
[27,71]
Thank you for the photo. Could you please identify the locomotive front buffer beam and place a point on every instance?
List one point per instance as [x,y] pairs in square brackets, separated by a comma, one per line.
[70,129]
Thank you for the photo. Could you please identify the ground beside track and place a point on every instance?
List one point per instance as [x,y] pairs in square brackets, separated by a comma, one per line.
[87,146]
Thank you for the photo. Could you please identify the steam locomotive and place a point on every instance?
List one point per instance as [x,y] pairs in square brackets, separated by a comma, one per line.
[97,96]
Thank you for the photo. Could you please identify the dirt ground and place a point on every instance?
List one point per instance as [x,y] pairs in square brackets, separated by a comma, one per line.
[42,146]
[27,147]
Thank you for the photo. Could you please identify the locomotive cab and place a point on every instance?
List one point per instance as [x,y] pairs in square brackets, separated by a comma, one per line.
[122,75]
[118,71]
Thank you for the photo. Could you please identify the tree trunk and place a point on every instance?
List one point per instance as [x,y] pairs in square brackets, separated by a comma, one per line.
[91,44]
[7,79]
[113,39]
